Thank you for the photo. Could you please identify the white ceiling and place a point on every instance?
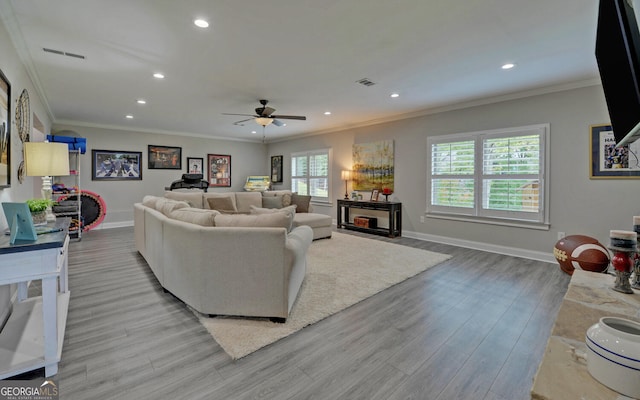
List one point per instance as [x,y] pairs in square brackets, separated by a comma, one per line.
[305,56]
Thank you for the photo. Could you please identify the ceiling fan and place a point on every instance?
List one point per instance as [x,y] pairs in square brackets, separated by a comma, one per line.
[264,116]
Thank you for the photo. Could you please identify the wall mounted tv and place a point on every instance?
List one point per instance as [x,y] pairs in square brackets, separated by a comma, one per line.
[618,57]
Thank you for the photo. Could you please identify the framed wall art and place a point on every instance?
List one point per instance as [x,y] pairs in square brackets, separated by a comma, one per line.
[373,165]
[219,170]
[194,165]
[116,165]
[164,157]
[5,132]
[609,161]
[276,169]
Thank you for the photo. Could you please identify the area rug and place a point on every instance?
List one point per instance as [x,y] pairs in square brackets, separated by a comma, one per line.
[341,272]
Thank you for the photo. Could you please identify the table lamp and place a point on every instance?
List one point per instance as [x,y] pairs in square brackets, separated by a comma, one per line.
[46,159]
[346,177]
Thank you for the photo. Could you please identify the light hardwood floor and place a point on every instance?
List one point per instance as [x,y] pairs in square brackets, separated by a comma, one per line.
[474,327]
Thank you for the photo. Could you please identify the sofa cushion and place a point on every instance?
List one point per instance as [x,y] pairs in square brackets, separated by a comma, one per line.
[312,220]
[167,206]
[244,201]
[150,201]
[272,201]
[286,196]
[196,216]
[224,204]
[274,220]
[194,198]
[207,196]
[301,201]
[291,211]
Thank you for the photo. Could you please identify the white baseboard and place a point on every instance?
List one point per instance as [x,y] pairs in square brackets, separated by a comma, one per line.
[468,244]
[491,248]
[110,225]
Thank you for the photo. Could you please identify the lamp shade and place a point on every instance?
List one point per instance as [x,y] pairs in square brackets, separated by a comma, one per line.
[346,175]
[46,159]
[264,121]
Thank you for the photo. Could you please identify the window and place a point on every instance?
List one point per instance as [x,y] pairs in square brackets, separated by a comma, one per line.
[310,174]
[494,175]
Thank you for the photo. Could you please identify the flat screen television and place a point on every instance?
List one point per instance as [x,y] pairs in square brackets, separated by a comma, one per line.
[618,57]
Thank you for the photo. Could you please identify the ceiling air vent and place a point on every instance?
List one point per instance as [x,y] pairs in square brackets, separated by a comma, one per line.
[366,82]
[64,53]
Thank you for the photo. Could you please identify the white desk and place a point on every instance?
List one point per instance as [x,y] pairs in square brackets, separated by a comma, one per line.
[33,335]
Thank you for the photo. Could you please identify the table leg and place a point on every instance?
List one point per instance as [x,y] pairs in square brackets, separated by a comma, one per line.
[22,292]
[50,327]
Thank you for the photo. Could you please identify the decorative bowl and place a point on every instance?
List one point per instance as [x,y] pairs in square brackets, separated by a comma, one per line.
[613,354]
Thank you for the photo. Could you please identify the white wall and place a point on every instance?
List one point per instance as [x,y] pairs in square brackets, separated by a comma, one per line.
[17,76]
[578,205]
[246,159]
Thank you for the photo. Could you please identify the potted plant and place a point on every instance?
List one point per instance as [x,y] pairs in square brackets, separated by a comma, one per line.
[38,208]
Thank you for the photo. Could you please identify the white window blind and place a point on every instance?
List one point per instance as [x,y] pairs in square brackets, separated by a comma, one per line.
[310,173]
[495,174]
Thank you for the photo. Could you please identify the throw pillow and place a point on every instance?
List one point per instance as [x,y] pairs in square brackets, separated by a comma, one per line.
[291,211]
[272,202]
[167,206]
[194,198]
[196,216]
[301,201]
[274,220]
[150,201]
[222,204]
[286,196]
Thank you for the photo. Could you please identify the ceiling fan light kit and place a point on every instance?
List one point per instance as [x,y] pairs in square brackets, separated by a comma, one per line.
[264,116]
[264,121]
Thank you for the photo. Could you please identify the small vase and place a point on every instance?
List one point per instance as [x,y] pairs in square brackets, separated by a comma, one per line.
[39,217]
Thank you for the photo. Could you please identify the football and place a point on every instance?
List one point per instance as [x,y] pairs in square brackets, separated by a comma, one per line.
[581,252]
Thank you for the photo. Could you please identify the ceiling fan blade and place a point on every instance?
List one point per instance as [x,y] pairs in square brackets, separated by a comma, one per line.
[241,122]
[248,115]
[277,123]
[264,111]
[298,117]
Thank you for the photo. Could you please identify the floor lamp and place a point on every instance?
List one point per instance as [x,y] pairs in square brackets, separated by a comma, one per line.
[346,177]
[47,160]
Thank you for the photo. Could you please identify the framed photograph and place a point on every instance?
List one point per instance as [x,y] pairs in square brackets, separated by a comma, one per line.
[609,161]
[165,157]
[194,165]
[375,193]
[276,169]
[5,132]
[219,170]
[116,165]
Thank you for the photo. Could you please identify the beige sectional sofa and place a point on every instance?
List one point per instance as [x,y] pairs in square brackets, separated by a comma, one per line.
[223,264]
[259,202]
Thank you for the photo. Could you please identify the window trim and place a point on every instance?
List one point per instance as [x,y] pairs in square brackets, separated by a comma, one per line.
[308,153]
[476,214]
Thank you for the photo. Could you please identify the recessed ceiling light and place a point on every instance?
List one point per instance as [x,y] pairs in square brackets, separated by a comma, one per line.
[129,116]
[201,23]
[508,66]
[394,95]
[254,132]
[327,113]
[141,101]
[158,75]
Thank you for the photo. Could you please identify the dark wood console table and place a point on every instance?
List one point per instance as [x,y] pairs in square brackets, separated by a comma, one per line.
[392,208]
